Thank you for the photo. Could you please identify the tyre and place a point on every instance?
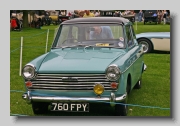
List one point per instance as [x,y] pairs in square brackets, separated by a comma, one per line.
[147,45]
[122,109]
[138,84]
[40,107]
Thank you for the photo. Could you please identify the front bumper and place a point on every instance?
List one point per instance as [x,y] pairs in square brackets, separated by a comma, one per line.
[112,99]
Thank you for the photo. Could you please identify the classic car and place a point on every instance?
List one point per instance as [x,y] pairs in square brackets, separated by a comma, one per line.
[107,13]
[154,41]
[86,67]
[150,16]
[112,13]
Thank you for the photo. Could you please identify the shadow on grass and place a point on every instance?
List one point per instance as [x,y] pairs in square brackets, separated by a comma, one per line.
[160,52]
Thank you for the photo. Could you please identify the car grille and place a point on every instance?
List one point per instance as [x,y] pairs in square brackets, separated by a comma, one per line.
[70,81]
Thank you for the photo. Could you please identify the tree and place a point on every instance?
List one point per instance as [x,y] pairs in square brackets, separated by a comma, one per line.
[25,18]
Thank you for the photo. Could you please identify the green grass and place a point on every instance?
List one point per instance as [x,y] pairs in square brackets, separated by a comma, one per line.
[155,91]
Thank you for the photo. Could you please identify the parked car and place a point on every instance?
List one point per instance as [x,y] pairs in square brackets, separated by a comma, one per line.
[150,16]
[54,17]
[107,13]
[154,41]
[112,13]
[84,67]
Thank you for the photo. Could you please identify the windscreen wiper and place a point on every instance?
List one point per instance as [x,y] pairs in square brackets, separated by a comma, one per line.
[72,46]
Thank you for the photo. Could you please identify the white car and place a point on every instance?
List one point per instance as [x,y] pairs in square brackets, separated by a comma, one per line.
[154,41]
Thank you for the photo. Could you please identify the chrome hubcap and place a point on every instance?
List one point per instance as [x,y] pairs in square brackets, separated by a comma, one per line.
[145,46]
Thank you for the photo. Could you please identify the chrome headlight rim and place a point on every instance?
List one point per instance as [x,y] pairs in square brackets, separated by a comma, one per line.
[119,72]
[34,71]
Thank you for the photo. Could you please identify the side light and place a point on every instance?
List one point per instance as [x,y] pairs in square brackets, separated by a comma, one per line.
[28,84]
[114,85]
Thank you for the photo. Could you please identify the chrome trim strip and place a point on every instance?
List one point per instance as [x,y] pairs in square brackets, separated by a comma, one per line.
[79,77]
[130,65]
[67,88]
[66,82]
[69,85]
[63,75]
[29,99]
[70,81]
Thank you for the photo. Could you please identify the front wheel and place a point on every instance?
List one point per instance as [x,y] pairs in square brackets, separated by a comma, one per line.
[121,109]
[147,46]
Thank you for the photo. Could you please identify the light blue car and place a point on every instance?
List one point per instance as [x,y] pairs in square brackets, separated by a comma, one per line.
[79,71]
[154,41]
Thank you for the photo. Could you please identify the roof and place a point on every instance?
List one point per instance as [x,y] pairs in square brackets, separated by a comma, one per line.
[97,20]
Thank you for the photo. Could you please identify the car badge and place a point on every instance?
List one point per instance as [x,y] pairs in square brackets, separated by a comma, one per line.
[69,79]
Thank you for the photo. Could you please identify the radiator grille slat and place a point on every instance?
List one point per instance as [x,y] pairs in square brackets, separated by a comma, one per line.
[70,81]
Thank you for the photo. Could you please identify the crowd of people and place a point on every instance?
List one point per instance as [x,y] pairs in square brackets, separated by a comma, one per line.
[96,13]
[161,15]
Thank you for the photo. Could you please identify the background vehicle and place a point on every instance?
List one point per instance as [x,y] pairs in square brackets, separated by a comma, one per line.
[150,16]
[154,41]
[54,16]
[107,13]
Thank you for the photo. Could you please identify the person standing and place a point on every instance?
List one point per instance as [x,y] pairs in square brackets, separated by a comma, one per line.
[140,15]
[159,13]
[164,16]
[88,14]
[13,23]
[81,13]
[96,14]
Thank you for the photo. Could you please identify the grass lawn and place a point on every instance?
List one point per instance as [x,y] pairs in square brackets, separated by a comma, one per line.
[153,99]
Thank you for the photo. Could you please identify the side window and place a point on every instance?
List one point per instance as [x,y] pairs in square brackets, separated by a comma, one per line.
[133,33]
[64,35]
[129,37]
[75,32]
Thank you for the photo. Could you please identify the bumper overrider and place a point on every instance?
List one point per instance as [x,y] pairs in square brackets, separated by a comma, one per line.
[112,99]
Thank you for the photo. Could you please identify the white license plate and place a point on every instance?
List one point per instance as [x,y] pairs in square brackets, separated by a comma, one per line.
[70,107]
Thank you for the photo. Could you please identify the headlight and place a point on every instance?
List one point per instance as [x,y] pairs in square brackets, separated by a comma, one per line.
[28,71]
[113,73]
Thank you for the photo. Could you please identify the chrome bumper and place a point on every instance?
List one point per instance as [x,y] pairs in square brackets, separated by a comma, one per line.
[112,99]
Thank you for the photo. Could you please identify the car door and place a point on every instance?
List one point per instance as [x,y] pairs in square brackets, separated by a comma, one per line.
[134,50]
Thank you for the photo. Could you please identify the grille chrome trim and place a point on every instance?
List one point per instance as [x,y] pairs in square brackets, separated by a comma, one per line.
[83,82]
